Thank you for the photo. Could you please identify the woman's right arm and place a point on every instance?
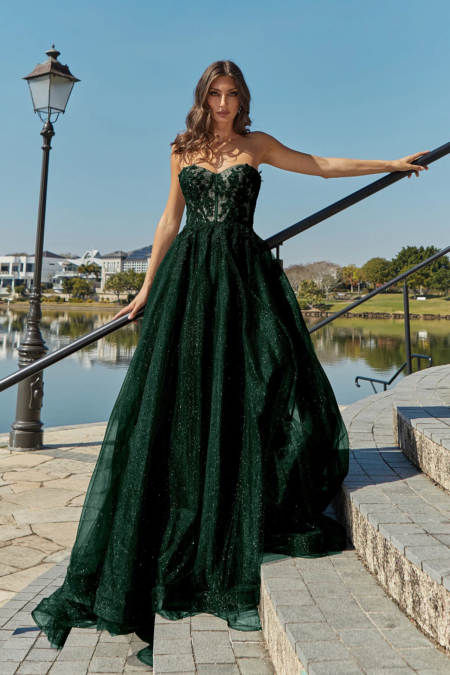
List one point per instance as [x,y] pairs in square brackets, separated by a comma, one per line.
[166,231]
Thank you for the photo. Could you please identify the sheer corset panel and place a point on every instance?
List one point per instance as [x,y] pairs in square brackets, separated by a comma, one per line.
[226,197]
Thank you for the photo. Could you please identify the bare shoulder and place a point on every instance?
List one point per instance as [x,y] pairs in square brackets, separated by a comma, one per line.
[175,164]
[263,144]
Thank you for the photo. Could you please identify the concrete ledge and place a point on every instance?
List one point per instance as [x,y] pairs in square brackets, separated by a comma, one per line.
[397,518]
[422,422]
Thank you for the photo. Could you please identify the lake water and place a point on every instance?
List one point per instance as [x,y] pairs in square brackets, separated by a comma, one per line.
[83,387]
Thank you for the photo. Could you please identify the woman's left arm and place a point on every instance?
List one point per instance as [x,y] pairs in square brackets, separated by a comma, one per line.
[276,154]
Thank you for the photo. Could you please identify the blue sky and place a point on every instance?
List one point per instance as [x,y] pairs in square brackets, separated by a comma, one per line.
[347,78]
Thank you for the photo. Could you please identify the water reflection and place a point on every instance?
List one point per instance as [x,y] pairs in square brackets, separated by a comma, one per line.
[60,327]
[84,387]
[380,343]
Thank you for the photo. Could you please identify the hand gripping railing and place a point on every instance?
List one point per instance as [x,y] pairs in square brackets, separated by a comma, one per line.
[273,242]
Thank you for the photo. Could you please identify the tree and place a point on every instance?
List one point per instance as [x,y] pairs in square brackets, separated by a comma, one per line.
[311,293]
[440,280]
[130,280]
[350,275]
[20,290]
[376,271]
[67,285]
[413,255]
[81,288]
[326,275]
[298,273]
[116,284]
[89,269]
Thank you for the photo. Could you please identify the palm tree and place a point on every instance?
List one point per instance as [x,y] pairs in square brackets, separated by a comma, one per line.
[89,269]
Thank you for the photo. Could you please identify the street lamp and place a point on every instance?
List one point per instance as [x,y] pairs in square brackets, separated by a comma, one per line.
[50,85]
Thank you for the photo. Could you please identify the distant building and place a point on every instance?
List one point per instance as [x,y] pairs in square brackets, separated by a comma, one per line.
[119,261]
[69,268]
[18,270]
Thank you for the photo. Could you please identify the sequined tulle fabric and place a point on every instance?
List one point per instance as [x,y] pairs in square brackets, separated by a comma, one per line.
[225,443]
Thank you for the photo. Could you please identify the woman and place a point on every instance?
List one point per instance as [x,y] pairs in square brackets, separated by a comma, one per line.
[225,444]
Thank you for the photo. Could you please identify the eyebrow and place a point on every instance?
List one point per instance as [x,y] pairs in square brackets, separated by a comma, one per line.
[215,89]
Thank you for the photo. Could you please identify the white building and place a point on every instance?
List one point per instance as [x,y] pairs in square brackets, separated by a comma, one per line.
[18,270]
[69,267]
[120,261]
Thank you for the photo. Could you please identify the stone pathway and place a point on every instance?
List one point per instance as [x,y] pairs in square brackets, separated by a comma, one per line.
[41,496]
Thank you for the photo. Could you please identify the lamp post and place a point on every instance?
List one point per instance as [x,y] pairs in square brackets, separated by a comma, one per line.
[50,85]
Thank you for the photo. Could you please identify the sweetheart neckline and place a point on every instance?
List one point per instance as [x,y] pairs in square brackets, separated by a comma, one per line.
[218,173]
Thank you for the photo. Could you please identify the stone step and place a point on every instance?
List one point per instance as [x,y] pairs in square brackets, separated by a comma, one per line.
[422,421]
[198,645]
[397,518]
[331,616]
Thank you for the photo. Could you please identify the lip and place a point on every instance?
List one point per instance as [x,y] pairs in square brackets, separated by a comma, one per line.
[223,113]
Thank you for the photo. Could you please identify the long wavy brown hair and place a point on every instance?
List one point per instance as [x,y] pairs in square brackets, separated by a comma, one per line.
[196,139]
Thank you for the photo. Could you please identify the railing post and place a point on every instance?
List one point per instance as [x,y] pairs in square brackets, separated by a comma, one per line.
[407,329]
[277,248]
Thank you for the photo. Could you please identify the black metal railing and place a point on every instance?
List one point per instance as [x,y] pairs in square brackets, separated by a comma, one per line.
[386,383]
[273,242]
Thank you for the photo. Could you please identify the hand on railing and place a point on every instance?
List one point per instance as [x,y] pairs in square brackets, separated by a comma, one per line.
[135,305]
[405,164]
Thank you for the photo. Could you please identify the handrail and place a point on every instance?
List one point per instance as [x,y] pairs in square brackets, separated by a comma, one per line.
[275,240]
[355,197]
[386,383]
[382,288]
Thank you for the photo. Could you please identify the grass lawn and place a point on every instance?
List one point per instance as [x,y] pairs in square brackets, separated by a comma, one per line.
[391,302]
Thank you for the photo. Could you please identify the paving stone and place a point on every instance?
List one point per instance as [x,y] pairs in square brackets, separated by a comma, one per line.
[13,654]
[249,650]
[173,663]
[293,598]
[309,631]
[255,667]
[336,668]
[105,665]
[183,646]
[207,623]
[285,584]
[406,637]
[246,636]
[355,638]
[211,638]
[328,590]
[226,669]
[322,650]
[214,655]
[167,631]
[287,614]
[8,668]
[75,653]
[418,554]
[67,668]
[33,668]
[106,649]
[427,658]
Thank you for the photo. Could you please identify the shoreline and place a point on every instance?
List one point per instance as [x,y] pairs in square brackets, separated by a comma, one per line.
[374,315]
[307,313]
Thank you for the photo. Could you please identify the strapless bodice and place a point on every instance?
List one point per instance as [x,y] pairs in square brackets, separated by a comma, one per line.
[226,198]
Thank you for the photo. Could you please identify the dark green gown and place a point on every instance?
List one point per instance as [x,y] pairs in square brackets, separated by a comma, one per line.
[225,444]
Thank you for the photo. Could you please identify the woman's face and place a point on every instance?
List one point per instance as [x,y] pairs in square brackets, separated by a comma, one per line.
[223,99]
